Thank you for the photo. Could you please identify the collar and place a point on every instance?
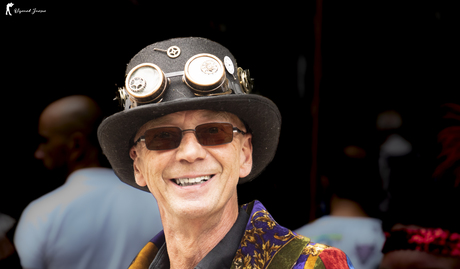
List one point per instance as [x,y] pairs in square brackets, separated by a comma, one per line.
[88,172]
[221,256]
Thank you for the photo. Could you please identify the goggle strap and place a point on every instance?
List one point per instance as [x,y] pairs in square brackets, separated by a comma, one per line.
[174,74]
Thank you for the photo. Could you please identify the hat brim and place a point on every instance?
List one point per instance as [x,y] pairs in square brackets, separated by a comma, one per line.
[116,133]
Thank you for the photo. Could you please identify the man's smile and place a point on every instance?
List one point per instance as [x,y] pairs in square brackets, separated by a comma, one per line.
[191,181]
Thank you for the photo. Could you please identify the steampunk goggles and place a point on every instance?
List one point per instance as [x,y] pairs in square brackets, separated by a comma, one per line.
[203,73]
[208,134]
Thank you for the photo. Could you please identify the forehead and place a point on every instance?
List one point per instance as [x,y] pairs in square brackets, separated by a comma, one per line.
[199,116]
[194,114]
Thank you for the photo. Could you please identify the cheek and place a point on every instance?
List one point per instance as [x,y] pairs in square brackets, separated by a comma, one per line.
[55,150]
[228,158]
[152,165]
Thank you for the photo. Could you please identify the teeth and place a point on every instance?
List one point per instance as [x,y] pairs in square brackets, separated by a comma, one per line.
[191,181]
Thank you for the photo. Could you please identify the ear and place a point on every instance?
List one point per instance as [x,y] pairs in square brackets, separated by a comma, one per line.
[138,175]
[76,146]
[246,156]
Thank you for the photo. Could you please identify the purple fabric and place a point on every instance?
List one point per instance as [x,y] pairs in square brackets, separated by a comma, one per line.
[159,239]
[263,238]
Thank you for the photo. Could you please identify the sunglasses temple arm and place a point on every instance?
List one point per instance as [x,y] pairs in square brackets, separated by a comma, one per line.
[142,138]
[235,129]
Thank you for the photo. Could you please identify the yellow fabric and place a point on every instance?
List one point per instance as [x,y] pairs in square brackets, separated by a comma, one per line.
[145,257]
[313,252]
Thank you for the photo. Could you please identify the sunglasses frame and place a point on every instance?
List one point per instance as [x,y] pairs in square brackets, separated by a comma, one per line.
[235,129]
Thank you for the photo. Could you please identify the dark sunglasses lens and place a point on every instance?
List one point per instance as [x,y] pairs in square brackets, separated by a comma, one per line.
[163,138]
[212,134]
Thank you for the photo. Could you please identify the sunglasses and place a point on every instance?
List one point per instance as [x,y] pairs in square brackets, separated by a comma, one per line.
[208,134]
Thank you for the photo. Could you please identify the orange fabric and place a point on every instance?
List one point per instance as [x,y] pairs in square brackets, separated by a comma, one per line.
[145,257]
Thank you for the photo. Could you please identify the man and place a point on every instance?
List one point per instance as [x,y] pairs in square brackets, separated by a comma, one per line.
[351,223]
[92,220]
[189,134]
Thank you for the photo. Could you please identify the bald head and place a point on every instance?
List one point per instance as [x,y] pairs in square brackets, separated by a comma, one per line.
[68,125]
[71,114]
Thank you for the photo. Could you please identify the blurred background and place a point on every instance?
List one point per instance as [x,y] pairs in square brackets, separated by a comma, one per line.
[333,68]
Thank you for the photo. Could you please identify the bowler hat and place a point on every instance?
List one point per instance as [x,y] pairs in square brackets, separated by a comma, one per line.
[187,74]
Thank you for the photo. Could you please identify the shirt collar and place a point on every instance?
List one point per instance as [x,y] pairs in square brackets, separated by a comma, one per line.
[221,256]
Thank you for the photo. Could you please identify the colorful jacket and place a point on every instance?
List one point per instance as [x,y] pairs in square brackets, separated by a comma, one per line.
[266,244]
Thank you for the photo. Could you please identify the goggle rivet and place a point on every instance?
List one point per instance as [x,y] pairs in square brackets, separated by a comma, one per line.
[229,65]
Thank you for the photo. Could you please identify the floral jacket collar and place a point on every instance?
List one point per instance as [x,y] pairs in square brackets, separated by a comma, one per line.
[265,244]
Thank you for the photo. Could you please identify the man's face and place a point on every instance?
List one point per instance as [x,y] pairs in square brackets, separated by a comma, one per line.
[221,166]
[52,150]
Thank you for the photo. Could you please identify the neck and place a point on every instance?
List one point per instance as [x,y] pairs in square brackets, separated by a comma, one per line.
[346,208]
[189,241]
[88,160]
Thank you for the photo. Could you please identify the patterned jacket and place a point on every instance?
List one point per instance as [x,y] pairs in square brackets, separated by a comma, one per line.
[266,244]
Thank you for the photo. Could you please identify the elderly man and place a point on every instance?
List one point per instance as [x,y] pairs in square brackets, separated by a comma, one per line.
[190,132]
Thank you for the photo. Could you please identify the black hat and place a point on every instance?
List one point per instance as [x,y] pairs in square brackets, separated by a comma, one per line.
[187,74]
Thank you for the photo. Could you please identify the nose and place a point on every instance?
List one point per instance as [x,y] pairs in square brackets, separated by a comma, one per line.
[189,149]
[39,153]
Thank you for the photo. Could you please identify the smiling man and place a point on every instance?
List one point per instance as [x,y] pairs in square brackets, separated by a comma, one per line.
[189,133]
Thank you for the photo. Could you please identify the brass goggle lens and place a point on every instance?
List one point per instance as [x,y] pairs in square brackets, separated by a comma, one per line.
[204,73]
[146,83]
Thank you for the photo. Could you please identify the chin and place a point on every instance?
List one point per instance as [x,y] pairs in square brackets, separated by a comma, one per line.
[195,208]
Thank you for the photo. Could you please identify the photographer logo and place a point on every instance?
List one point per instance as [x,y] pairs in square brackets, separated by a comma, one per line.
[20,11]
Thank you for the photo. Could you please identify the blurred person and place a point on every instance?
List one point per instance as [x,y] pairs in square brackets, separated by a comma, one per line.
[422,227]
[191,132]
[353,189]
[394,148]
[423,230]
[7,250]
[92,220]
[448,168]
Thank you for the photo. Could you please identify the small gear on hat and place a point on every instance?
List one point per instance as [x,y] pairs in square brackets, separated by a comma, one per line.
[246,82]
[173,52]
